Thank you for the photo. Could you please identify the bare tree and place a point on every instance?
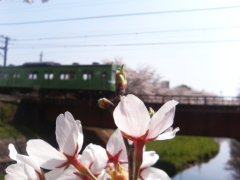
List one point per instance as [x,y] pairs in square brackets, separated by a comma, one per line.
[31,1]
[142,81]
[146,81]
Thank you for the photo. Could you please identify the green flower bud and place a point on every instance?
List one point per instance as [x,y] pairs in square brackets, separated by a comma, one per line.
[151,112]
[120,75]
[103,102]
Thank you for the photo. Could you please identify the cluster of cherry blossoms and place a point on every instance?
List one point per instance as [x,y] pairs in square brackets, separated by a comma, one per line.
[124,158]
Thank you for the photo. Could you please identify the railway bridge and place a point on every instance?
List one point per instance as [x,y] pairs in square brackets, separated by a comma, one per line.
[195,115]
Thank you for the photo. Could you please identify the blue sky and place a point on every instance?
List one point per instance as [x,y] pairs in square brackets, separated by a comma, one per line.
[199,48]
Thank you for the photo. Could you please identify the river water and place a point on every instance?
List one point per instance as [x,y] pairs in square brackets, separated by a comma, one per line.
[215,169]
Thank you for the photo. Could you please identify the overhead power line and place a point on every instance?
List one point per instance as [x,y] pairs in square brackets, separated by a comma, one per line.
[134,44]
[119,15]
[120,34]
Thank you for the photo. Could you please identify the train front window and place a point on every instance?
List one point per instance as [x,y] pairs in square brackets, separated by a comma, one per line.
[113,74]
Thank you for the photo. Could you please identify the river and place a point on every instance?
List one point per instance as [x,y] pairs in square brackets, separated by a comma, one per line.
[214,169]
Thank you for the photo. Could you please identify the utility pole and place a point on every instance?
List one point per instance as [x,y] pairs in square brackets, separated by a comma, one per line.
[41,55]
[5,48]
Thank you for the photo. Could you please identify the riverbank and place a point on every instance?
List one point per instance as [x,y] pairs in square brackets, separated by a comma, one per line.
[182,152]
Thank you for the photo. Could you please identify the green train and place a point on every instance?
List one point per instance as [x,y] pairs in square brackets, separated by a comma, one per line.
[52,79]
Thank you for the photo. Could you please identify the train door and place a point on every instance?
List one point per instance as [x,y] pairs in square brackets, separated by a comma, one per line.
[16,79]
[87,80]
[48,78]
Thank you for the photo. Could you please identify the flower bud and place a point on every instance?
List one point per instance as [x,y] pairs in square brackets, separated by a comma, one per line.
[121,81]
[120,75]
[106,104]
[151,112]
[119,173]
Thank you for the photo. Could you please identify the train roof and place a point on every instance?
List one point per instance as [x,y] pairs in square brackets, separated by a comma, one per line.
[42,64]
[54,64]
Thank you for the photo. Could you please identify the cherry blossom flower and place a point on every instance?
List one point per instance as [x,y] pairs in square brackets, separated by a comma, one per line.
[26,167]
[94,157]
[150,173]
[132,118]
[70,139]
[116,150]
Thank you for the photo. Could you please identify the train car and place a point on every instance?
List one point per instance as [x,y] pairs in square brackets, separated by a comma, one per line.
[51,79]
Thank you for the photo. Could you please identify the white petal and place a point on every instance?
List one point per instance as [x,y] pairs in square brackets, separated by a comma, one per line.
[21,170]
[154,174]
[44,154]
[162,120]
[80,135]
[12,152]
[116,144]
[94,154]
[62,174]
[29,161]
[131,116]
[66,133]
[168,134]
[149,158]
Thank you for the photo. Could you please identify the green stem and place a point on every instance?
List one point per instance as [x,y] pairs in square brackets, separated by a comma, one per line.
[138,157]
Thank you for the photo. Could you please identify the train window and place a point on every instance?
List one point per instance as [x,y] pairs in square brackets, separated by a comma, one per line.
[16,75]
[85,76]
[3,75]
[32,75]
[62,76]
[29,76]
[104,74]
[90,75]
[72,75]
[67,75]
[48,75]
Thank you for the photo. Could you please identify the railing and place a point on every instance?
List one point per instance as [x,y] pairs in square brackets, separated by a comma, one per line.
[192,100]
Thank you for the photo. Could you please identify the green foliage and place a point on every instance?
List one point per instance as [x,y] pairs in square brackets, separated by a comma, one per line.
[10,131]
[6,112]
[178,153]
[2,176]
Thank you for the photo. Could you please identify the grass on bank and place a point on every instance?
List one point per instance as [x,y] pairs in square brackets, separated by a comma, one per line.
[182,151]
